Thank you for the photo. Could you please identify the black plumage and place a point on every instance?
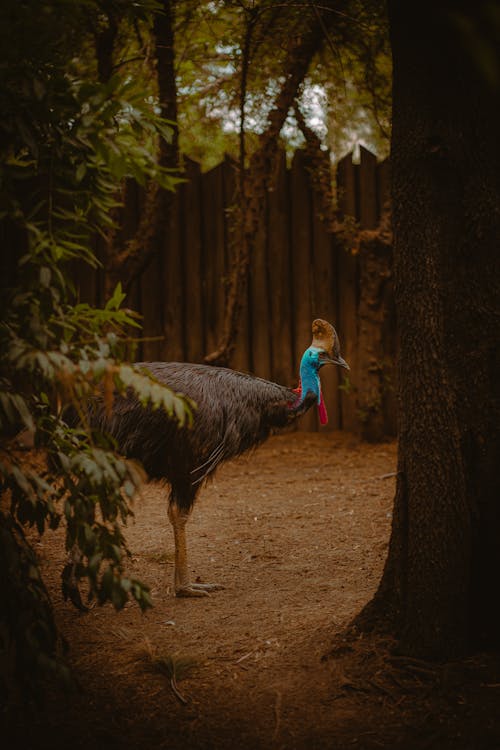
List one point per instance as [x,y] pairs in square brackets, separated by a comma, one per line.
[234,412]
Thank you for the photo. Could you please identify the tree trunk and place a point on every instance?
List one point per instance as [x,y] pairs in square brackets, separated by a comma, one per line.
[440,585]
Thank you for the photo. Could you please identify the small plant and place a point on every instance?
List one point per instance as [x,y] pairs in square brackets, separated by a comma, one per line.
[173,666]
[346,386]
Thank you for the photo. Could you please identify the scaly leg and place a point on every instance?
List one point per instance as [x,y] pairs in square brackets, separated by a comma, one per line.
[183,587]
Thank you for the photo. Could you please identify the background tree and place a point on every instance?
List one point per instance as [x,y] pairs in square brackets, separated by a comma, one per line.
[439,586]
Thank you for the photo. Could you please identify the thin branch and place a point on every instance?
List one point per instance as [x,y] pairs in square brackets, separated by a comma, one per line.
[330,43]
[120,64]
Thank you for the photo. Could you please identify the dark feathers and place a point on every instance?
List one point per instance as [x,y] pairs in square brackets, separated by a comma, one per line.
[234,412]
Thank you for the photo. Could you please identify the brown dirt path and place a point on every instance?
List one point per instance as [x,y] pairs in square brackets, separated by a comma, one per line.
[298,533]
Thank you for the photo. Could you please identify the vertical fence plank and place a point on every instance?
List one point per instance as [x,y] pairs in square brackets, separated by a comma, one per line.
[242,357]
[151,291]
[368,203]
[213,232]
[384,186]
[259,307]
[346,186]
[173,345]
[129,216]
[301,230]
[148,289]
[192,265]
[324,305]
[348,297]
[279,325]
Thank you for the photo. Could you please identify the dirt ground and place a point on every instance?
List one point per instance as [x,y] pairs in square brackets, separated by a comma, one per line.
[297,532]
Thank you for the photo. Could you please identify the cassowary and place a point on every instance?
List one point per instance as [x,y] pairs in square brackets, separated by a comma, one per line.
[234,412]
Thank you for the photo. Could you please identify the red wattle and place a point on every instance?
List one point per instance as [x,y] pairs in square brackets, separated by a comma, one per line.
[323,415]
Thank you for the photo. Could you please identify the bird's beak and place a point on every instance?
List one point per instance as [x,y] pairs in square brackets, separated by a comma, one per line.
[335,361]
[341,362]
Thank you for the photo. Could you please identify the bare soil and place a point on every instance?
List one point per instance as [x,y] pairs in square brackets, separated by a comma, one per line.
[297,532]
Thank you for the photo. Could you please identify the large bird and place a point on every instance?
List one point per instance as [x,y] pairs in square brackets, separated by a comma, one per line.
[234,412]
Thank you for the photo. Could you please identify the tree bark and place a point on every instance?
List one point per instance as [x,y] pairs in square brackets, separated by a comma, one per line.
[439,590]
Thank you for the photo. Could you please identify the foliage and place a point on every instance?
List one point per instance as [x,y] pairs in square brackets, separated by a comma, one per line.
[67,141]
[346,97]
[356,80]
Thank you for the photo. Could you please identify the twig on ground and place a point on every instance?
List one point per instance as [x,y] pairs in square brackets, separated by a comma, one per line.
[245,656]
[176,692]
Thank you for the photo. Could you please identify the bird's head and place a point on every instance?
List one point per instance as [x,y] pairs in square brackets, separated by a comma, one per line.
[324,350]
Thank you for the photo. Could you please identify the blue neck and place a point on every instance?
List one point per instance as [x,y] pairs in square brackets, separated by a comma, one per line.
[309,377]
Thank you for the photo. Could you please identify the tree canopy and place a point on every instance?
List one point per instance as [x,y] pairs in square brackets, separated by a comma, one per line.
[232,58]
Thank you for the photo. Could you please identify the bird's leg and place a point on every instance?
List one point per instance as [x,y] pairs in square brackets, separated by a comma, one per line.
[183,587]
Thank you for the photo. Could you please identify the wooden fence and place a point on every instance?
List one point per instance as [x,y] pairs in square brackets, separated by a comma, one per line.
[298,273]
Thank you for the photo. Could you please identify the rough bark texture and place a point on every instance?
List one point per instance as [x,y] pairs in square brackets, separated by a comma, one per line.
[440,585]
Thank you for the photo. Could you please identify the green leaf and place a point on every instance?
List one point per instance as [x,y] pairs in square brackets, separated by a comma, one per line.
[81,171]
[116,299]
[45,276]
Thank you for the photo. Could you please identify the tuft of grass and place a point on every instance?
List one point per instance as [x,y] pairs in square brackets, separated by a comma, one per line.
[175,667]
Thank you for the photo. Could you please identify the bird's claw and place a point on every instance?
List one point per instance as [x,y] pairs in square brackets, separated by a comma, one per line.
[197,589]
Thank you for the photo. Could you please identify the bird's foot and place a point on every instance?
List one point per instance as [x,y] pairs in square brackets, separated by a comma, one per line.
[197,589]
